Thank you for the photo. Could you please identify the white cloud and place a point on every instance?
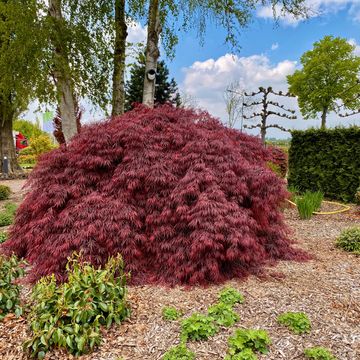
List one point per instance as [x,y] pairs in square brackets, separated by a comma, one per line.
[207,80]
[274,46]
[357,46]
[317,8]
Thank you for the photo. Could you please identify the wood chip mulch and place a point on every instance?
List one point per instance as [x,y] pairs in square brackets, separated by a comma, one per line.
[326,288]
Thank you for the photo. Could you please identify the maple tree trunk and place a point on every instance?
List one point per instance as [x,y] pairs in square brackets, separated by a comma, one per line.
[118,95]
[7,147]
[323,118]
[62,76]
[152,51]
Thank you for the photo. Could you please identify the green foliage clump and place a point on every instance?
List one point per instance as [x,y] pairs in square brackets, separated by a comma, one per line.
[3,237]
[70,314]
[38,145]
[298,322]
[308,203]
[246,354]
[275,168]
[231,296]
[179,352]
[10,270]
[349,240]
[223,314]
[326,160]
[27,128]
[170,313]
[4,192]
[318,353]
[357,196]
[248,339]
[197,327]
[7,215]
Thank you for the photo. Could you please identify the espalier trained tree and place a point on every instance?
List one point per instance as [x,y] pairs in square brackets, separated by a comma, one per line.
[183,199]
[329,75]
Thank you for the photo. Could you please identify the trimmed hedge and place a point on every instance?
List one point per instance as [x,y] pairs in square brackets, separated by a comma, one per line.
[326,160]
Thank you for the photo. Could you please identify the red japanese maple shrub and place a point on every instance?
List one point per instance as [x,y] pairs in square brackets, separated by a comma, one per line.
[182,198]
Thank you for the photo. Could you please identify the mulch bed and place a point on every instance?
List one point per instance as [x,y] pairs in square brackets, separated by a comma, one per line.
[326,288]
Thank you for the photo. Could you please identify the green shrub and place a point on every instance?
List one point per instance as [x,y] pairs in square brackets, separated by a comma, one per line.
[246,354]
[10,270]
[70,314]
[318,353]
[170,313]
[179,352]
[7,215]
[3,237]
[4,192]
[255,340]
[231,296]
[357,196]
[308,203]
[349,240]
[326,160]
[197,327]
[223,314]
[298,322]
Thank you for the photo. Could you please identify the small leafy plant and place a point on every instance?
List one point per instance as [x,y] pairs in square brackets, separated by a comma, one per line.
[10,269]
[308,203]
[179,352]
[3,237]
[223,314]
[298,322]
[318,353]
[231,296]
[70,314]
[248,339]
[4,192]
[197,327]
[349,240]
[170,313]
[246,354]
[7,215]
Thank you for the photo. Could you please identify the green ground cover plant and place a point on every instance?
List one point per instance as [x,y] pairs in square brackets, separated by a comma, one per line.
[223,314]
[298,322]
[231,296]
[70,314]
[3,236]
[349,240]
[8,214]
[248,339]
[170,313]
[10,270]
[308,202]
[246,354]
[198,327]
[179,352]
[4,192]
[318,353]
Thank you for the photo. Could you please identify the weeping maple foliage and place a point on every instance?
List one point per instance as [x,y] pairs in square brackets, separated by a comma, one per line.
[182,198]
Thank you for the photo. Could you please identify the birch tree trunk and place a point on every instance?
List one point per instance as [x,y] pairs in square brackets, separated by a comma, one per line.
[7,147]
[118,94]
[62,74]
[152,51]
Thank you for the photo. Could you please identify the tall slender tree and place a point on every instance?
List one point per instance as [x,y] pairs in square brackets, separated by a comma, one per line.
[166,16]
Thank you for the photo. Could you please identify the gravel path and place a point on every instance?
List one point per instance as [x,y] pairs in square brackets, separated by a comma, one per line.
[326,288]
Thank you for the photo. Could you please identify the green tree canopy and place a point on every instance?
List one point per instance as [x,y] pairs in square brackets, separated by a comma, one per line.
[329,75]
[166,90]
[28,129]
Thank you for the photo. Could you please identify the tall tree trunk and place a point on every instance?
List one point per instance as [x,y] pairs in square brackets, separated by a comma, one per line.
[263,130]
[118,95]
[152,51]
[323,118]
[7,147]
[62,74]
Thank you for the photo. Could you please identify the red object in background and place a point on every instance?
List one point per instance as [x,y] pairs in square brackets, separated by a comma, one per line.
[21,142]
